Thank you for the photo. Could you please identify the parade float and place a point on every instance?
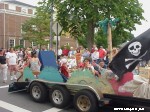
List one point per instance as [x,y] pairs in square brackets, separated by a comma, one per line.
[86,91]
[83,88]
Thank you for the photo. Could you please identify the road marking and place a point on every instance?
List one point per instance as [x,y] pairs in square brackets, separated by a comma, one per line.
[4,86]
[53,110]
[11,107]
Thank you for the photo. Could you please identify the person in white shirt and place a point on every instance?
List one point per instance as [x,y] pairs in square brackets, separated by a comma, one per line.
[20,54]
[72,52]
[71,62]
[59,53]
[95,55]
[11,59]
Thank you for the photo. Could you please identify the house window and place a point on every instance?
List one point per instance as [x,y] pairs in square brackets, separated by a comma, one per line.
[22,32]
[11,42]
[12,7]
[34,11]
[21,42]
[24,10]
[33,44]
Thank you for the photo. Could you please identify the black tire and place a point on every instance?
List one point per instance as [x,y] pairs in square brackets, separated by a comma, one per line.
[59,96]
[85,101]
[38,92]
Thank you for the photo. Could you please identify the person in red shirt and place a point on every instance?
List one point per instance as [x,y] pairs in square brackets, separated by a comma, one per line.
[65,51]
[102,53]
[64,69]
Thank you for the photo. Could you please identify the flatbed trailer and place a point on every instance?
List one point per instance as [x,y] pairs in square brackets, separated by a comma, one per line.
[81,89]
[85,98]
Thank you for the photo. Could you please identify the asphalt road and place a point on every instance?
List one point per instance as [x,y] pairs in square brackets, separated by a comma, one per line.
[22,102]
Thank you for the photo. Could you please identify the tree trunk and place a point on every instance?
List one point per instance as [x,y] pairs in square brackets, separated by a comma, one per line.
[90,34]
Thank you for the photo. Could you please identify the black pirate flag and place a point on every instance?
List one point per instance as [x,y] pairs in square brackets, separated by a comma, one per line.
[131,54]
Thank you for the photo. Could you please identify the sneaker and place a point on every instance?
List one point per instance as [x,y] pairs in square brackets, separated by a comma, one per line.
[15,77]
[11,78]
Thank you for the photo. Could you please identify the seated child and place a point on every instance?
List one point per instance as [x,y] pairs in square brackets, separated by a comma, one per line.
[64,69]
[21,65]
[35,64]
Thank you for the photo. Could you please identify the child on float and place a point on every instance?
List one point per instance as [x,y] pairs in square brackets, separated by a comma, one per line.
[21,65]
[34,64]
[88,65]
[64,70]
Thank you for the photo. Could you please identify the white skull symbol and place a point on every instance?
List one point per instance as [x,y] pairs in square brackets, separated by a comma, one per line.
[134,48]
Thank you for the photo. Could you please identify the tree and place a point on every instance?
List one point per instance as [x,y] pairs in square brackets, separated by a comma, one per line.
[37,28]
[80,17]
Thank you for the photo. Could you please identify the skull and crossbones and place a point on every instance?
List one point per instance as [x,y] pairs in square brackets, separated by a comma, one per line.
[135,49]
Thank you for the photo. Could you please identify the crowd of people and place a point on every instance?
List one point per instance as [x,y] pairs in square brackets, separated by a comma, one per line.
[96,60]
[14,61]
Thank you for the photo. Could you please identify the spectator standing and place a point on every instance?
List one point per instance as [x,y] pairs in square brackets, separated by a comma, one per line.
[78,56]
[28,53]
[71,52]
[37,50]
[3,66]
[59,51]
[102,53]
[86,53]
[11,59]
[65,51]
[81,49]
[4,52]
[95,55]
[106,59]
[93,48]
[20,54]
[71,62]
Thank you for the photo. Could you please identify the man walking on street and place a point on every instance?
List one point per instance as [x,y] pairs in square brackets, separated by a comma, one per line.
[12,63]
[3,66]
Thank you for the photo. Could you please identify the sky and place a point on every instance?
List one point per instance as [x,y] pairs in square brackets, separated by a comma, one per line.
[139,28]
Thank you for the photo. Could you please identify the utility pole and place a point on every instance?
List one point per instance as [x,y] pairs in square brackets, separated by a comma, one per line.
[51,25]
[109,40]
[4,40]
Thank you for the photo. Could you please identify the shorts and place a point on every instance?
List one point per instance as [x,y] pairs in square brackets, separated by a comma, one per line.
[12,67]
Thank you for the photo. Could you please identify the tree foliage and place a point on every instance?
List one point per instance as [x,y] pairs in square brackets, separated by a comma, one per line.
[80,17]
[37,28]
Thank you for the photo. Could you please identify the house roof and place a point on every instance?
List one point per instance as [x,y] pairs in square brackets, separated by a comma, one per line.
[19,3]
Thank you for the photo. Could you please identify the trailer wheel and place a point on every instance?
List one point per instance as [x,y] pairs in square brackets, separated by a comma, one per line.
[85,101]
[38,92]
[59,96]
